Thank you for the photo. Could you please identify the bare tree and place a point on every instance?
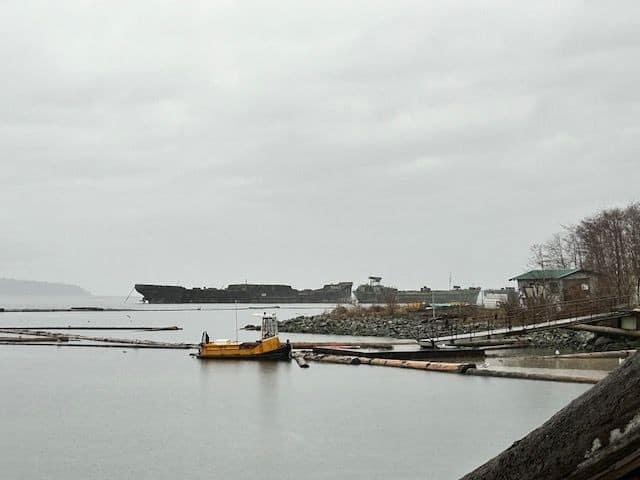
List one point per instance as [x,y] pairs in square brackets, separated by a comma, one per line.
[573,248]
[632,214]
[556,251]
[537,256]
[608,243]
[562,250]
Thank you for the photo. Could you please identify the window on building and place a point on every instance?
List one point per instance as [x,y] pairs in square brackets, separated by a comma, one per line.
[554,287]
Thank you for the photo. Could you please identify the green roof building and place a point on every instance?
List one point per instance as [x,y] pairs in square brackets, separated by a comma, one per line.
[561,285]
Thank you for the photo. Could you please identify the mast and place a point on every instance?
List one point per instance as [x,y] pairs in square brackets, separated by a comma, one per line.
[236,302]
[269,325]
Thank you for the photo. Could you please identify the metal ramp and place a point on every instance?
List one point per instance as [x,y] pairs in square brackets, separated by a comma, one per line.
[527,328]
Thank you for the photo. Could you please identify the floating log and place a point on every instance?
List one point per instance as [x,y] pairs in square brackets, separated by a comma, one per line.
[550,377]
[333,359]
[71,309]
[36,342]
[31,339]
[149,308]
[597,436]
[492,342]
[607,330]
[380,345]
[421,354]
[342,359]
[302,363]
[418,365]
[432,366]
[69,327]
[127,341]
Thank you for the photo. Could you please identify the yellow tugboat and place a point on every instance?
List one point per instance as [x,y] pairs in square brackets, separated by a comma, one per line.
[268,347]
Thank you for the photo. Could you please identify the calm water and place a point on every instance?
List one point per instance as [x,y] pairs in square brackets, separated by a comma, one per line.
[79,413]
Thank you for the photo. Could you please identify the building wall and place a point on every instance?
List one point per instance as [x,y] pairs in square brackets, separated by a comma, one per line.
[576,287]
[494,300]
[537,288]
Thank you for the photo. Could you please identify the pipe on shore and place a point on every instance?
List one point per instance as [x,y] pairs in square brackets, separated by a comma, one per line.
[606,330]
[491,342]
[531,376]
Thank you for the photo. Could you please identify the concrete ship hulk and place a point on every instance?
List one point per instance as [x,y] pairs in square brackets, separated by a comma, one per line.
[245,293]
[375,292]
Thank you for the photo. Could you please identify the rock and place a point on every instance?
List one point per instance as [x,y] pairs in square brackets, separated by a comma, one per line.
[600,341]
[252,327]
[371,324]
[616,346]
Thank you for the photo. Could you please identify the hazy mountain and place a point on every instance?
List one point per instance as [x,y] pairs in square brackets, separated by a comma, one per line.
[29,287]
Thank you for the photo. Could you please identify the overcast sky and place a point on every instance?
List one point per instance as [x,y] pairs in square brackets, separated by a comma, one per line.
[208,142]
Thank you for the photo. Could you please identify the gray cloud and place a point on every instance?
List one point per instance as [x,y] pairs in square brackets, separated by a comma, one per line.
[276,141]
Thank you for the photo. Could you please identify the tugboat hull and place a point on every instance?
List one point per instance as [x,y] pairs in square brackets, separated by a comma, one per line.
[267,349]
[280,354]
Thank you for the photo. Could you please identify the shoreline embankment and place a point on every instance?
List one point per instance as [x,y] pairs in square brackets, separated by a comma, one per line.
[415,324]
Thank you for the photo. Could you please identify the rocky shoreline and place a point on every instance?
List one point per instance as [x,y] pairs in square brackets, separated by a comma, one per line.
[417,325]
[405,327]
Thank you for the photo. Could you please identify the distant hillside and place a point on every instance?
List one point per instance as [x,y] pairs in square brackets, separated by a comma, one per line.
[29,287]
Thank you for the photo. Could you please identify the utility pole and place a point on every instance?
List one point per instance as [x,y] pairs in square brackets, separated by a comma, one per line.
[433,305]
